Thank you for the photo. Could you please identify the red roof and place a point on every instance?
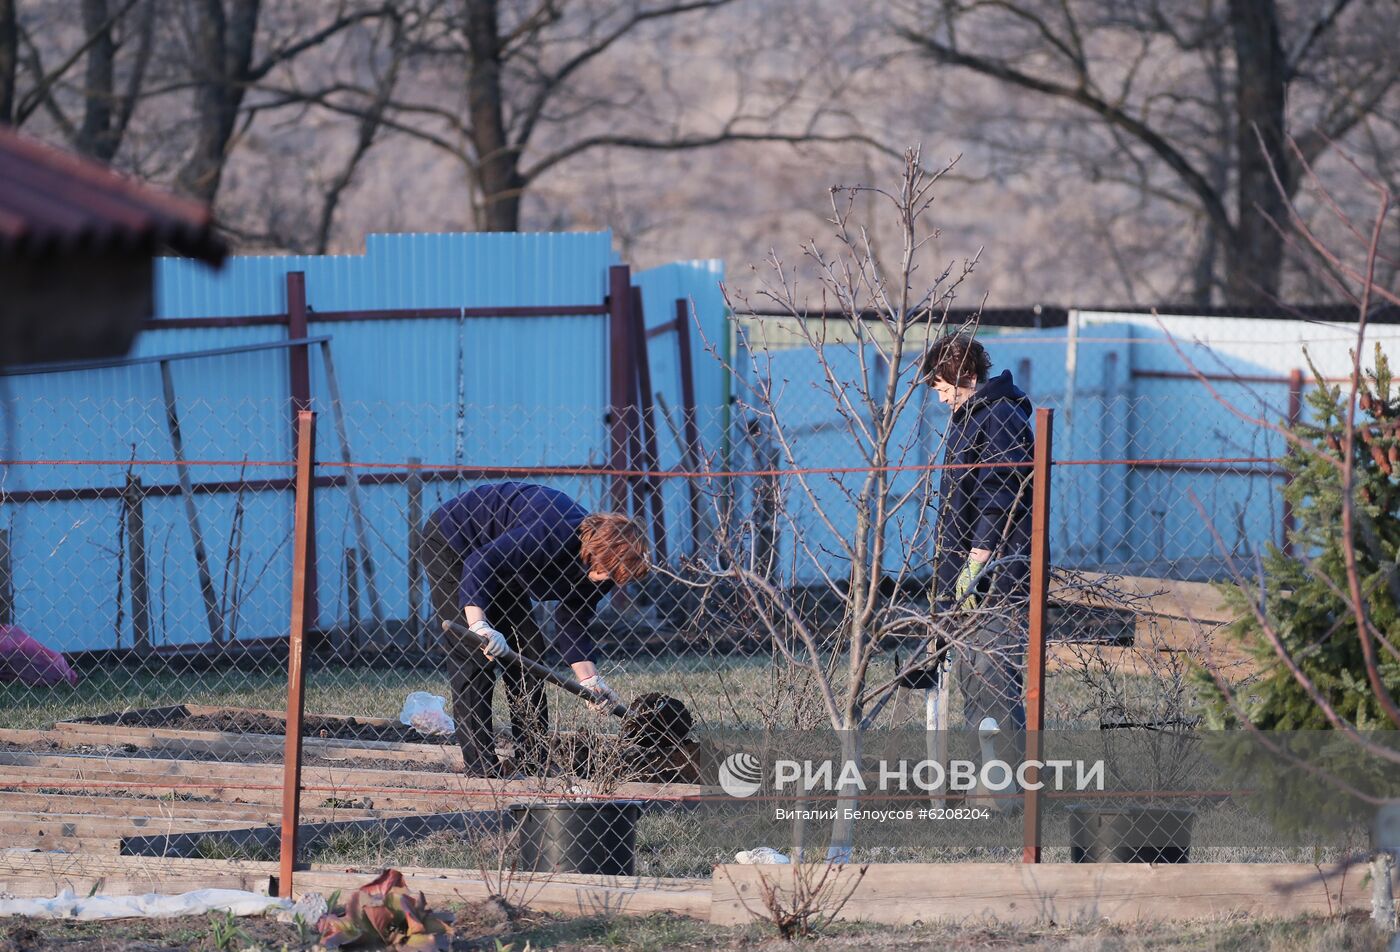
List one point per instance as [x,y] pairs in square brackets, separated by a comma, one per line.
[52,202]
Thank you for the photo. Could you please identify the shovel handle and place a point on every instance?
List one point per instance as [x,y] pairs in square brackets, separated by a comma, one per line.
[541,671]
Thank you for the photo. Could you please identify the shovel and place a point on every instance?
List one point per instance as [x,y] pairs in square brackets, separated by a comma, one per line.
[653,720]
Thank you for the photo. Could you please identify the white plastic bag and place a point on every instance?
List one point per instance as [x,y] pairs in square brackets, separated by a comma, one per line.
[67,905]
[426,713]
[761,856]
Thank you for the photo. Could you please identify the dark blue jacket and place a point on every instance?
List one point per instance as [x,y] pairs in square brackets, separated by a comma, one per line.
[519,542]
[987,508]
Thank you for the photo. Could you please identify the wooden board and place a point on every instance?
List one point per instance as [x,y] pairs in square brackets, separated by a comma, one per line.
[30,875]
[12,802]
[69,771]
[1200,601]
[229,745]
[901,894]
[133,728]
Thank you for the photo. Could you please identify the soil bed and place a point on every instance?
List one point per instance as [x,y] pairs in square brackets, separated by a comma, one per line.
[254,722]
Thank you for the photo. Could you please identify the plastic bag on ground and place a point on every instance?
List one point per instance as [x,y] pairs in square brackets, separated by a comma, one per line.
[426,713]
[68,905]
[761,856]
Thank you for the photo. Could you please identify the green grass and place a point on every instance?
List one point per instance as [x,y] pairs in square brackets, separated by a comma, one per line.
[675,934]
[654,933]
[721,692]
[740,692]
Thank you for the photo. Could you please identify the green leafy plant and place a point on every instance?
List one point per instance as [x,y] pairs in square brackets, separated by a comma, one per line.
[225,932]
[306,931]
[383,913]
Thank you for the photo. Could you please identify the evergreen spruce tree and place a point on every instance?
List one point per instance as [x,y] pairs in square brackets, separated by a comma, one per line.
[1308,607]
[1306,601]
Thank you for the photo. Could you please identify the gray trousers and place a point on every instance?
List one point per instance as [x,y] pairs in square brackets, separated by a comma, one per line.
[989,671]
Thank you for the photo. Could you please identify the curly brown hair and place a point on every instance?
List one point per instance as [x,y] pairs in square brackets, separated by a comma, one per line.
[614,543]
[957,359]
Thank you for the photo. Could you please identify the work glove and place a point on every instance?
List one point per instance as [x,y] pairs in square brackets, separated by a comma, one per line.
[963,587]
[607,696]
[496,643]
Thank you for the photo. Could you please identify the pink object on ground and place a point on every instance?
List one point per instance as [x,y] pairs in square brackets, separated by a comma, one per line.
[24,659]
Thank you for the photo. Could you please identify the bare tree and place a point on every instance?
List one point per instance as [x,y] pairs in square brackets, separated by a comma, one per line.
[1196,99]
[532,88]
[110,83]
[837,579]
[223,65]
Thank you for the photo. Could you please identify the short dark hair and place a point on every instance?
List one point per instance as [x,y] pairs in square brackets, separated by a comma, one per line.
[957,359]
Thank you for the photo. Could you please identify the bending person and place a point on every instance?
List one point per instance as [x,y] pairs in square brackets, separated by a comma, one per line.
[490,554]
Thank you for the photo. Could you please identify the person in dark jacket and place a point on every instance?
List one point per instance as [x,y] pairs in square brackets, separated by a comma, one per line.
[983,520]
[490,554]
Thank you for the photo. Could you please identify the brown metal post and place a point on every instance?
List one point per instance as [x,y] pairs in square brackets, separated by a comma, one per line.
[691,426]
[422,635]
[296,670]
[299,380]
[133,501]
[7,581]
[649,457]
[620,379]
[1295,416]
[354,623]
[299,361]
[1035,648]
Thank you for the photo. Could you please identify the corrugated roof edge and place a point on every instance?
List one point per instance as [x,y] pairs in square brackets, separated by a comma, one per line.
[183,225]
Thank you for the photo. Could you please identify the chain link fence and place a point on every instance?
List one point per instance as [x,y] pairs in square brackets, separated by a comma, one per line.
[789,597]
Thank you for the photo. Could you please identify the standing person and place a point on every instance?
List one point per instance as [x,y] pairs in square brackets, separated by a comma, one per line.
[984,517]
[490,554]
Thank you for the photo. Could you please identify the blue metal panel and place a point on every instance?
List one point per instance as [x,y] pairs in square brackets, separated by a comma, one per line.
[492,391]
[698,284]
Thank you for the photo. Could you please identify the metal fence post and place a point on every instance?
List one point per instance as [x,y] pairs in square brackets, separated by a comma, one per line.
[7,581]
[690,425]
[621,381]
[296,671]
[1035,649]
[133,500]
[647,455]
[299,384]
[1295,416]
[421,635]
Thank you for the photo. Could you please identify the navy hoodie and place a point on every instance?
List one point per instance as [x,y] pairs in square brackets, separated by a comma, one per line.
[519,542]
[987,508]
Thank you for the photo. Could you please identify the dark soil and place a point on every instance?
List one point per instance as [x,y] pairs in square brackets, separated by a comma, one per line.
[139,935]
[337,728]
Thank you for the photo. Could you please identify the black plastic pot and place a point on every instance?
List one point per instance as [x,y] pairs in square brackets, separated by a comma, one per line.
[582,836]
[1130,834]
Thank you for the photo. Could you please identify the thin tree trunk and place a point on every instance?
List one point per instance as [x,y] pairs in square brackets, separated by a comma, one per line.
[1254,261]
[843,828]
[498,162]
[1203,271]
[95,134]
[223,50]
[9,60]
